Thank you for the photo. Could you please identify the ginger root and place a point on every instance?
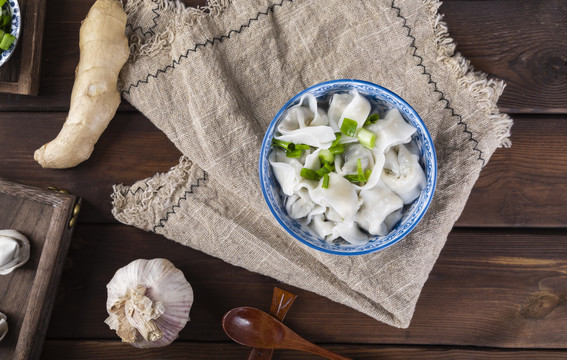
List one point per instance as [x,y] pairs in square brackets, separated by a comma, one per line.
[95,97]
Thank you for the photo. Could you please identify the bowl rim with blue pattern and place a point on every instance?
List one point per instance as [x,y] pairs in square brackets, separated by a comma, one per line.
[413,213]
[15,28]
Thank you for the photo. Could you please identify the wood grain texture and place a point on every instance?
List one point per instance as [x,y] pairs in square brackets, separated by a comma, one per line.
[21,73]
[499,289]
[519,41]
[524,186]
[27,294]
[181,350]
[130,149]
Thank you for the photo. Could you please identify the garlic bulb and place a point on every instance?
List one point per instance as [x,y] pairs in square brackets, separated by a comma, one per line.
[3,326]
[148,303]
[14,250]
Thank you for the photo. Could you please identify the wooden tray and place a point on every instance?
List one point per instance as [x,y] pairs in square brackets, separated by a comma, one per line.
[45,217]
[20,74]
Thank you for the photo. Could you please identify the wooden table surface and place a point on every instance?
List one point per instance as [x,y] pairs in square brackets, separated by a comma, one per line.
[498,290]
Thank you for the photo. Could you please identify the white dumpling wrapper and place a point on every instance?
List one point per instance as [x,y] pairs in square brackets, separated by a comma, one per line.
[332,215]
[377,204]
[300,205]
[391,163]
[350,232]
[341,196]
[306,125]
[369,159]
[358,110]
[392,130]
[312,160]
[392,219]
[286,170]
[300,116]
[316,136]
[320,118]
[410,179]
[350,156]
[14,250]
[9,251]
[321,226]
[338,104]
[295,118]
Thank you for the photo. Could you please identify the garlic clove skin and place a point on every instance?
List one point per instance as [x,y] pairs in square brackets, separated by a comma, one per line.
[148,303]
[14,250]
[3,326]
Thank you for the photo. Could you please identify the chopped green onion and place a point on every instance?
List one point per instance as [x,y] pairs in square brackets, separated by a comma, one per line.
[367,138]
[348,127]
[361,175]
[352,178]
[325,184]
[309,174]
[337,149]
[302,147]
[326,156]
[283,144]
[338,136]
[322,171]
[325,169]
[6,20]
[6,41]
[359,170]
[294,153]
[371,119]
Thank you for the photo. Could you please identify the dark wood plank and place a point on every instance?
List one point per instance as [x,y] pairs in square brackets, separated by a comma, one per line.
[60,349]
[524,186]
[522,42]
[129,150]
[498,289]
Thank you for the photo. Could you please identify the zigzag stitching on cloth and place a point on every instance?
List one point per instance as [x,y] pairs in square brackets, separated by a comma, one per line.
[435,88]
[203,45]
[140,188]
[154,20]
[162,221]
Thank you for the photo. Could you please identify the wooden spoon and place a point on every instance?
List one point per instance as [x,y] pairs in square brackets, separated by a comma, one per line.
[252,327]
[281,302]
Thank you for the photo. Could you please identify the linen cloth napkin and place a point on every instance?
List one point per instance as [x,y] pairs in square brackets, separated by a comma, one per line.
[213,78]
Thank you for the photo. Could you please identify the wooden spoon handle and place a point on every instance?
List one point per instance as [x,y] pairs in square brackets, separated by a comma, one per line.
[281,302]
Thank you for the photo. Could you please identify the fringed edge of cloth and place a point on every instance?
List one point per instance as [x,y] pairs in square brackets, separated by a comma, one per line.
[485,90]
[136,204]
[146,42]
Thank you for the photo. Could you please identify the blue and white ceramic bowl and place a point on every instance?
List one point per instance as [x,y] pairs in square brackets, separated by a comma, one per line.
[14,30]
[382,98]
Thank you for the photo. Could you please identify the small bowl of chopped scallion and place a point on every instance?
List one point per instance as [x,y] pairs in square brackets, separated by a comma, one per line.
[10,24]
